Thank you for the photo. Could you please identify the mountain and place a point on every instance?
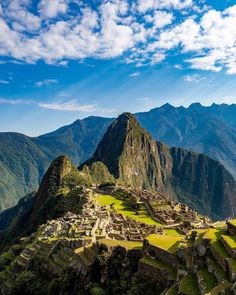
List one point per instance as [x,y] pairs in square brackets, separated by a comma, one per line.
[58,193]
[115,226]
[81,238]
[209,130]
[24,160]
[136,160]
[22,165]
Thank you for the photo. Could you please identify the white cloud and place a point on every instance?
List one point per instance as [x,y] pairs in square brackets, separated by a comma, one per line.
[21,18]
[46,82]
[66,105]
[51,8]
[72,106]
[136,74]
[14,101]
[145,5]
[194,78]
[144,32]
[162,18]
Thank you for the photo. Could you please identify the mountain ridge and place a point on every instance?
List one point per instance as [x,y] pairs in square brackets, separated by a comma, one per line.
[136,160]
[184,127]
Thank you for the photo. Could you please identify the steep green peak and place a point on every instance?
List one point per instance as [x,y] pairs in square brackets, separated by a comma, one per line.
[52,179]
[125,122]
[118,138]
[62,164]
[126,116]
[129,153]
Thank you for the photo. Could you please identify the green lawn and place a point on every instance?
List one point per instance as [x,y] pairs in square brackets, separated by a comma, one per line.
[213,235]
[172,232]
[119,206]
[231,241]
[233,222]
[125,244]
[169,243]
[220,225]
[188,285]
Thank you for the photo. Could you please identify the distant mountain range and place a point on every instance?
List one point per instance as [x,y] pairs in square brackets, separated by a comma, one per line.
[129,157]
[24,160]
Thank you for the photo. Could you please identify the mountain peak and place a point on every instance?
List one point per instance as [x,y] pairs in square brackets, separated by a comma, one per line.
[59,168]
[125,119]
[125,116]
[129,153]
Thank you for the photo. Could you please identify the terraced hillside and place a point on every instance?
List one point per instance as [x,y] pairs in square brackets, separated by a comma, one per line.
[117,244]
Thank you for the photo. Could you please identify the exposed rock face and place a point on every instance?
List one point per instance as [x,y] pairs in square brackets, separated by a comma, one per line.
[130,154]
[203,183]
[136,160]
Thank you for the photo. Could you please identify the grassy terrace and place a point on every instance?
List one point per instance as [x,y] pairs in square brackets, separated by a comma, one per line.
[230,241]
[220,225]
[172,232]
[168,243]
[213,235]
[188,285]
[232,222]
[200,234]
[125,244]
[119,206]
[159,265]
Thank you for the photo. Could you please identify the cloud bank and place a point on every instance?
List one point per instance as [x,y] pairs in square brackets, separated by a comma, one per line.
[143,32]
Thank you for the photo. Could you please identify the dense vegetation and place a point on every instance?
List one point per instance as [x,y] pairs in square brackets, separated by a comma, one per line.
[24,160]
[136,160]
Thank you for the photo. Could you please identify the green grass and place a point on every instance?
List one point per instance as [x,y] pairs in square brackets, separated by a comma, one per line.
[208,279]
[200,235]
[119,207]
[172,232]
[232,222]
[188,285]
[231,241]
[220,225]
[159,265]
[213,235]
[169,243]
[125,244]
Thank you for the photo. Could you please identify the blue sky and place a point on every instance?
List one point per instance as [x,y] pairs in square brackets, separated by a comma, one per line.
[61,60]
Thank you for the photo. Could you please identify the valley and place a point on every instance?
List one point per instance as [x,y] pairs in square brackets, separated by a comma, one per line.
[126,221]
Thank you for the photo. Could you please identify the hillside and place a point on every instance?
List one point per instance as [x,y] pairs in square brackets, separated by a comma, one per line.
[115,225]
[24,160]
[209,130]
[120,241]
[137,161]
